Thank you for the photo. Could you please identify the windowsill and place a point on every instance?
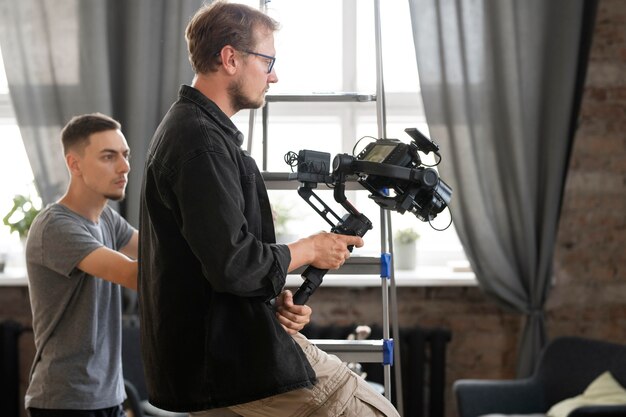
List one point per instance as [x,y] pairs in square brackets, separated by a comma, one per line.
[420,277]
[13,276]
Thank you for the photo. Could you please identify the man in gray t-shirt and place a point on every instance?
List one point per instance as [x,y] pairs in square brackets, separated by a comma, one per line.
[79,251]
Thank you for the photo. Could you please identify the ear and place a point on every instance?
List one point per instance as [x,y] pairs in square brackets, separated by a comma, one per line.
[73,163]
[230,59]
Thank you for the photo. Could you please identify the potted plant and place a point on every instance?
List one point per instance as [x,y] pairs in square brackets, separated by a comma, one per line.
[21,215]
[405,248]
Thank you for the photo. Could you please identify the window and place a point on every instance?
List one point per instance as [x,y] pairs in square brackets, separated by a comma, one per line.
[14,165]
[331,48]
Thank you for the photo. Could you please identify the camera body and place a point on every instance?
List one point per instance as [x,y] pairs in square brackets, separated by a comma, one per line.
[422,192]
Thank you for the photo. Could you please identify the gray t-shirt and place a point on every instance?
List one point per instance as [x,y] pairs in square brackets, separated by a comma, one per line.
[76,316]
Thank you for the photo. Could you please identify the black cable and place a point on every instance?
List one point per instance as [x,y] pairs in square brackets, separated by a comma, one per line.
[359,141]
[291,159]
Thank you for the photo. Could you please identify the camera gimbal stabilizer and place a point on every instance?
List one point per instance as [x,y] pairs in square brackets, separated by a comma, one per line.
[390,169]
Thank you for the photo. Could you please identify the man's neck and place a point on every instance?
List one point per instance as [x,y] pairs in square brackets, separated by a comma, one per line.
[89,208]
[216,90]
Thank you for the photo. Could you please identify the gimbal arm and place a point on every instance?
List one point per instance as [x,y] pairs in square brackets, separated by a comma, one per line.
[353,223]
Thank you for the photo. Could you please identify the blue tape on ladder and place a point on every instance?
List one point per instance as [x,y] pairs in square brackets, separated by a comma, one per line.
[387,351]
[385,265]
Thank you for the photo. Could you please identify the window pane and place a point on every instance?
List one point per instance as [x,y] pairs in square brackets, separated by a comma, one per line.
[4,87]
[308,45]
[399,65]
[303,221]
[14,165]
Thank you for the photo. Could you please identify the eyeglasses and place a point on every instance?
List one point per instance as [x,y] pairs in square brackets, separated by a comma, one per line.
[271,59]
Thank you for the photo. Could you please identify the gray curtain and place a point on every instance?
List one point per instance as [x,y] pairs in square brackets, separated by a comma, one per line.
[125,58]
[499,80]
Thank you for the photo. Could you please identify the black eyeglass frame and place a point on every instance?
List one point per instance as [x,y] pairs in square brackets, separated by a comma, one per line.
[272,59]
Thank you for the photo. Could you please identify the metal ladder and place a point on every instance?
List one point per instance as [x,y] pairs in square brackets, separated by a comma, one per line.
[383,351]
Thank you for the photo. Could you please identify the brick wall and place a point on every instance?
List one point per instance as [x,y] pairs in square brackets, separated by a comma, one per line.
[589,296]
[15,305]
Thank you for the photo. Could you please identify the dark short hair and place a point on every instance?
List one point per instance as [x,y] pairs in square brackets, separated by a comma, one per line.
[219,24]
[79,128]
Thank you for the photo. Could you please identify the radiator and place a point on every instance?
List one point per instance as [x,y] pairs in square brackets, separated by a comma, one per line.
[9,368]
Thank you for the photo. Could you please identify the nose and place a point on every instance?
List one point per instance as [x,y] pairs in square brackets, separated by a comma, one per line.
[272,77]
[124,165]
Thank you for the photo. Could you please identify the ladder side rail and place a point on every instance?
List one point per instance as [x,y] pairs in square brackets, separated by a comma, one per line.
[394,322]
[251,122]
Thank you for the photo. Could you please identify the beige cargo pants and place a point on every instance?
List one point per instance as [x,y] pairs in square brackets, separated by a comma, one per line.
[339,392]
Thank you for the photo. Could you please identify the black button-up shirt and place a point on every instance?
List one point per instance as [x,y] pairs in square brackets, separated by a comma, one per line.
[208,266]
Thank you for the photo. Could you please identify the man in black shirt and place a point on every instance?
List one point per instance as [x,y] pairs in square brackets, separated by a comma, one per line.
[209,265]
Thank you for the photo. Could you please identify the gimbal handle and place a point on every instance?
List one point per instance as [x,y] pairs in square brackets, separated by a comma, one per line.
[312,279]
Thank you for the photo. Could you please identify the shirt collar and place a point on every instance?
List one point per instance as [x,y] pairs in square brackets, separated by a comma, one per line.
[212,109]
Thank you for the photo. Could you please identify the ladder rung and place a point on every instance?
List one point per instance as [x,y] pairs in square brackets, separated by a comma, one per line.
[352,350]
[355,265]
[281,181]
[321,97]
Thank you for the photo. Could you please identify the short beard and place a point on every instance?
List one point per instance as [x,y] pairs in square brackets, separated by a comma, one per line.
[238,99]
[116,197]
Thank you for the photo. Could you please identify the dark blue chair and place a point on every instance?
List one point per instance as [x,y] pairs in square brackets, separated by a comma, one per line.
[565,369]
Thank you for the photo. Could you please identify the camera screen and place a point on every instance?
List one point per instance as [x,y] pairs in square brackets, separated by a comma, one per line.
[379,153]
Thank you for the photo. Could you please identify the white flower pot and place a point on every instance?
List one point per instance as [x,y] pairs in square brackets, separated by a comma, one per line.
[404,255]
